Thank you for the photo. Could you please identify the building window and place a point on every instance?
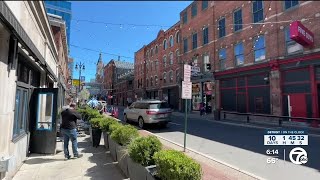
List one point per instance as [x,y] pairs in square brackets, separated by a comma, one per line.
[206,63]
[238,53]
[147,67]
[194,9]
[151,81]
[151,64]
[185,17]
[151,52]
[147,82]
[177,37]
[292,46]
[205,33]
[20,112]
[290,4]
[195,61]
[204,5]
[222,58]
[156,80]
[259,49]
[222,27]
[171,58]
[237,18]
[171,41]
[165,44]
[177,76]
[156,49]
[156,65]
[257,11]
[171,76]
[185,45]
[194,41]
[177,56]
[164,77]
[164,61]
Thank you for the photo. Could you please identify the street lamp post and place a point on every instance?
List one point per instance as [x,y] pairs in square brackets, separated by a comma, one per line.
[79,66]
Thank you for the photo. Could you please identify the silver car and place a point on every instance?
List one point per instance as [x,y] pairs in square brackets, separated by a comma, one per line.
[148,112]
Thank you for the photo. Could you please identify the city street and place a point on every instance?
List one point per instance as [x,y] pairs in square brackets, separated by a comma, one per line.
[241,147]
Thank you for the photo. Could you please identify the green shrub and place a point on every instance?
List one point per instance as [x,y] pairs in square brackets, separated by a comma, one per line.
[114,126]
[124,134]
[174,165]
[142,149]
[95,122]
[105,124]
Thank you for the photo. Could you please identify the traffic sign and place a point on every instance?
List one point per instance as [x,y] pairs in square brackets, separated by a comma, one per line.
[82,78]
[186,90]
[195,69]
[186,73]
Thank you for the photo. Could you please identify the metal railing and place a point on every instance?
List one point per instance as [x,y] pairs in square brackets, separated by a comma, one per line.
[280,118]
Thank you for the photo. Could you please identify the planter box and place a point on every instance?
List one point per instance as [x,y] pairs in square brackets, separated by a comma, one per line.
[112,148]
[96,137]
[136,170]
[122,158]
[105,138]
[90,131]
[151,171]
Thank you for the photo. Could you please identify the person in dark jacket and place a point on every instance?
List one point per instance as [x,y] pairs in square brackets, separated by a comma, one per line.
[69,130]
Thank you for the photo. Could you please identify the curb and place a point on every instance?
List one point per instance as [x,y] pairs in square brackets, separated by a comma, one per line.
[209,157]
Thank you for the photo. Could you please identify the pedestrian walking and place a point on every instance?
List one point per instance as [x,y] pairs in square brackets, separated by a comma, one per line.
[202,108]
[69,130]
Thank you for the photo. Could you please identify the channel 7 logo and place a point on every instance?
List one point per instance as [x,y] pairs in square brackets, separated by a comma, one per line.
[298,156]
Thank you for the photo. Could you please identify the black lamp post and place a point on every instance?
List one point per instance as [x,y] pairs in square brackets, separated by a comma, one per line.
[80,66]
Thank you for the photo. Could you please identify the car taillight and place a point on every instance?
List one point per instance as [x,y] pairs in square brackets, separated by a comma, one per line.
[151,112]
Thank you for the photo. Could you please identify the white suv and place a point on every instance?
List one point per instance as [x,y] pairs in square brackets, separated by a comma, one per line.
[148,112]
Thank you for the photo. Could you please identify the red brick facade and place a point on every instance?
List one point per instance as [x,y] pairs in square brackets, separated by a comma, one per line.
[108,80]
[265,59]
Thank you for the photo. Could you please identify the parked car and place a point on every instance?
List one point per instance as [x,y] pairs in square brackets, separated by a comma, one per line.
[148,112]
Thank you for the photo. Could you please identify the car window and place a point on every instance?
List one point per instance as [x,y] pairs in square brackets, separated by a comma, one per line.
[162,105]
[132,105]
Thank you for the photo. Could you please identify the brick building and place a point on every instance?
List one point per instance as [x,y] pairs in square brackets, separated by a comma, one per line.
[112,71]
[124,89]
[196,47]
[257,66]
[157,67]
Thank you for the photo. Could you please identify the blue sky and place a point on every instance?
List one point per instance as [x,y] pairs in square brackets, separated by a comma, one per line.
[112,38]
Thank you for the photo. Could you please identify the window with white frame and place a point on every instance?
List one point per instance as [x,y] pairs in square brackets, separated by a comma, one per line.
[20,112]
[156,80]
[238,53]
[205,34]
[171,76]
[222,58]
[165,44]
[164,61]
[257,11]
[171,41]
[259,48]
[178,37]
[222,27]
[292,46]
[290,4]
[164,77]
[171,58]
[206,63]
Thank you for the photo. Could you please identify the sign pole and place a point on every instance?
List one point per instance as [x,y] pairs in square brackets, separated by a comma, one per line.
[185,125]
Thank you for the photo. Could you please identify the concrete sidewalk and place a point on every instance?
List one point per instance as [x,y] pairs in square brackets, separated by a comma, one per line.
[96,164]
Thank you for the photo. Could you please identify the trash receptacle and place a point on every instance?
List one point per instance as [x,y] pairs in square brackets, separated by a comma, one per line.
[217,114]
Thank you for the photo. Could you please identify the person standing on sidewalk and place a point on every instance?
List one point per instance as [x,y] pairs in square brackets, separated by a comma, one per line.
[69,130]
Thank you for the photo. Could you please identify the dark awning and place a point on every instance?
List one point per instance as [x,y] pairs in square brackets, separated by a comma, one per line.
[13,24]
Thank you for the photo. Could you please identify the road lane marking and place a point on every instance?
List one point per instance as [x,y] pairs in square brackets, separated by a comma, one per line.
[175,123]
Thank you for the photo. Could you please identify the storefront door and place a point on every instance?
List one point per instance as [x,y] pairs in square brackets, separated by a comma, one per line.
[298,106]
[43,117]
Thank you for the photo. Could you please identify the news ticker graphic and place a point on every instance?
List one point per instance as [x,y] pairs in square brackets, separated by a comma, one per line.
[286,138]
[297,155]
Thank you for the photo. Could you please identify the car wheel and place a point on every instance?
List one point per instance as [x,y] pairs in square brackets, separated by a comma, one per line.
[125,118]
[141,122]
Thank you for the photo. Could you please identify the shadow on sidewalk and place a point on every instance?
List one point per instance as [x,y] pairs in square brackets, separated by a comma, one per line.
[100,165]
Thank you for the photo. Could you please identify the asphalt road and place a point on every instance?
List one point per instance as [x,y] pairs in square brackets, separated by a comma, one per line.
[241,147]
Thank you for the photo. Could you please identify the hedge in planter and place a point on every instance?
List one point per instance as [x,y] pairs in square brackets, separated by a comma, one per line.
[112,144]
[174,165]
[96,131]
[105,124]
[141,151]
[123,136]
